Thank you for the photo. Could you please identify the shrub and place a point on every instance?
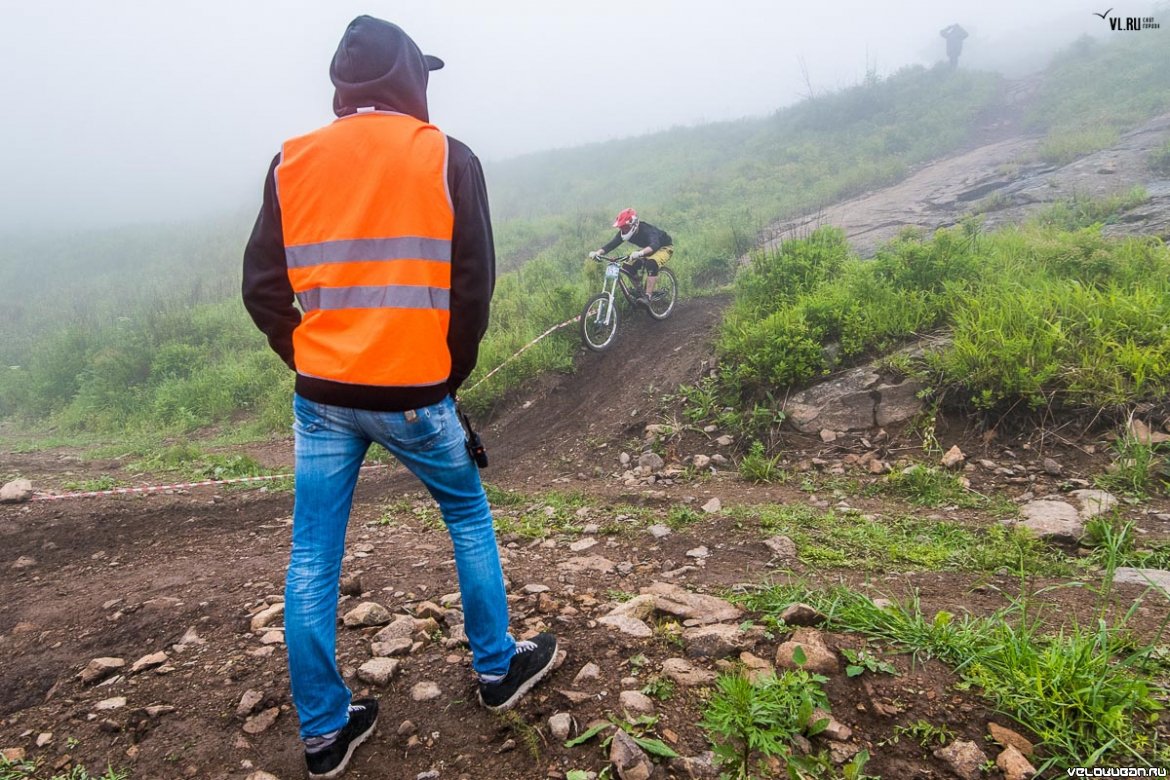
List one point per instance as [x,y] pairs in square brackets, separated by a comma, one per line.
[749,721]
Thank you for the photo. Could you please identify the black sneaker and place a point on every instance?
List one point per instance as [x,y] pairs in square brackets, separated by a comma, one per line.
[531,663]
[331,762]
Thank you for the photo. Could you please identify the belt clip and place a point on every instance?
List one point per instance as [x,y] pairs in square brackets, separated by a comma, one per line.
[411,415]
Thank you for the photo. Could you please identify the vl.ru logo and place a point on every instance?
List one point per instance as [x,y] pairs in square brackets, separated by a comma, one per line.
[1128,23]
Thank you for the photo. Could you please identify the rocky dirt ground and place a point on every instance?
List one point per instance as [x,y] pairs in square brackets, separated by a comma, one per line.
[627,557]
[185,589]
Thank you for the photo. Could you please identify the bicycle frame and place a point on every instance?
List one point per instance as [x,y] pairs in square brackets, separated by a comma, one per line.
[617,274]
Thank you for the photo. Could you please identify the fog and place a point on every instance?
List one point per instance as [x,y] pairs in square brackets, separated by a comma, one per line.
[129,111]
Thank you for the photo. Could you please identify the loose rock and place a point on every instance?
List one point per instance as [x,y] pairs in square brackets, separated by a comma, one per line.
[673,600]
[650,461]
[964,758]
[1014,765]
[267,616]
[782,547]
[818,658]
[100,668]
[589,673]
[953,458]
[685,673]
[715,641]
[700,767]
[425,691]
[378,671]
[368,613]
[258,724]
[802,615]
[629,626]
[636,703]
[248,703]
[16,492]
[560,726]
[1008,738]
[630,761]
[149,662]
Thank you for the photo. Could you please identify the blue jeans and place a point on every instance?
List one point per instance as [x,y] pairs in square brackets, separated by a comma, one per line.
[331,442]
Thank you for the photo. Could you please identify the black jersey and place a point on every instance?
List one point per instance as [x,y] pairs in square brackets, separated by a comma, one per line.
[645,236]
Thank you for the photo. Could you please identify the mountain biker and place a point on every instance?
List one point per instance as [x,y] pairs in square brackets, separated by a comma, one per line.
[655,248]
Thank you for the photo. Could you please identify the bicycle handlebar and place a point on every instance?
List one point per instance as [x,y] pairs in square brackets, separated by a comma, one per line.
[608,259]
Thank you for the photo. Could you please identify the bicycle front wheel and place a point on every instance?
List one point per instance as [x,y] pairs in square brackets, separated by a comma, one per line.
[599,323]
[665,295]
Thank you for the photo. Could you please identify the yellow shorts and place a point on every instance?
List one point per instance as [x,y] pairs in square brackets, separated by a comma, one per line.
[662,255]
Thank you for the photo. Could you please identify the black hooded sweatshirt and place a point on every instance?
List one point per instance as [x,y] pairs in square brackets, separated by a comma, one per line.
[377,64]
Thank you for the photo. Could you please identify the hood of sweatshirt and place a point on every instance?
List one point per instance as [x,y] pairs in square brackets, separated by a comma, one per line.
[377,64]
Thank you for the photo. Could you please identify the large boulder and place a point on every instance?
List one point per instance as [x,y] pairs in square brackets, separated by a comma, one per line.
[845,403]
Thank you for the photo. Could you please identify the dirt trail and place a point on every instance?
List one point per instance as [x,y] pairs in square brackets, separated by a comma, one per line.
[131,576]
[547,430]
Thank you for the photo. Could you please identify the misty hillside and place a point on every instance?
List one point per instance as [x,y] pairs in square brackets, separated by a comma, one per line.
[142,325]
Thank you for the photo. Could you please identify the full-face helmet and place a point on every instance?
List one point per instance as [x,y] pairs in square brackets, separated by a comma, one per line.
[627,223]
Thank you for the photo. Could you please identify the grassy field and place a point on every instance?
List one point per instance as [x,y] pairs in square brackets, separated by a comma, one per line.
[139,331]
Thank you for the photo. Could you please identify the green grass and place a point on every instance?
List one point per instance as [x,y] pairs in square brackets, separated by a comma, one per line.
[1082,112]
[30,770]
[541,515]
[931,487]
[680,517]
[1037,316]
[831,539]
[1160,160]
[757,466]
[1114,544]
[1081,211]
[1139,470]
[104,482]
[1064,146]
[927,735]
[418,509]
[1089,692]
[191,461]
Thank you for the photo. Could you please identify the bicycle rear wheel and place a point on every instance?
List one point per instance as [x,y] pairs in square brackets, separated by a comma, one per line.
[599,323]
[665,295]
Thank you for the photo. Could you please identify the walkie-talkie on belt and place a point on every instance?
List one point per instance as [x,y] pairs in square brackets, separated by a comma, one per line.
[475,447]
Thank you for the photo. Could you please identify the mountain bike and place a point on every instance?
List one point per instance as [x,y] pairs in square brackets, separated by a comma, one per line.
[599,319]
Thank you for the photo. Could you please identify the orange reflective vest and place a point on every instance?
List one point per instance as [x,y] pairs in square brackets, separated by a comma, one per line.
[367,221]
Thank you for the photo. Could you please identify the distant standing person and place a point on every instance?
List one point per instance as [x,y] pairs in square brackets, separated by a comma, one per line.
[378,226]
[954,35]
[655,247]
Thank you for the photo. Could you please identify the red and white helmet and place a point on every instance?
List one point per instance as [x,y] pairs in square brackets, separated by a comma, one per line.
[626,222]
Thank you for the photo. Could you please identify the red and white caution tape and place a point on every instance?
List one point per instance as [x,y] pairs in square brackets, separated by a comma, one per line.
[522,350]
[162,488]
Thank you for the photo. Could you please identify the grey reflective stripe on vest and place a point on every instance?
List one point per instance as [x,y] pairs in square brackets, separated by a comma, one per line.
[369,249]
[388,297]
